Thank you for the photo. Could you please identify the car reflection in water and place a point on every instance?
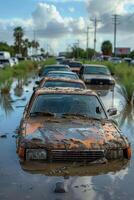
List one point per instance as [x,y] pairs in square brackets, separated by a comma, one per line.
[75,169]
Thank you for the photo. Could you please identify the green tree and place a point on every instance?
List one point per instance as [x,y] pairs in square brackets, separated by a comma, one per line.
[5,47]
[132,54]
[26,43]
[35,44]
[106,48]
[18,36]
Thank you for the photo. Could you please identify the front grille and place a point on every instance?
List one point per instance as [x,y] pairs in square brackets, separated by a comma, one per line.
[100,81]
[78,156]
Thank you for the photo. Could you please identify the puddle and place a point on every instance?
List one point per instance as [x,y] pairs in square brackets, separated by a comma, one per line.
[113,181]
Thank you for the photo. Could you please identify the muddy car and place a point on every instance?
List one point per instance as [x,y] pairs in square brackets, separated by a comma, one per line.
[75,66]
[96,75]
[57,67]
[60,82]
[69,125]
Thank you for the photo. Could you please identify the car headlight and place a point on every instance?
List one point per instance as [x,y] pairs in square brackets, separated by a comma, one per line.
[36,154]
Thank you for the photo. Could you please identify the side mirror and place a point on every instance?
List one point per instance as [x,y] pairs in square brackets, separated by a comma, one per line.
[112,111]
[112,73]
[98,110]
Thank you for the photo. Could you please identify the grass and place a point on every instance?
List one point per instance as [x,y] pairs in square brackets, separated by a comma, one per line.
[20,71]
[125,76]
[48,61]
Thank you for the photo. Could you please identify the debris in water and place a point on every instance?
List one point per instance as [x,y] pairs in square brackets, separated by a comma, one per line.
[3,136]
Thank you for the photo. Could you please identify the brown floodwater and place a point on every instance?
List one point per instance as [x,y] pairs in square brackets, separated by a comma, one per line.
[109,181]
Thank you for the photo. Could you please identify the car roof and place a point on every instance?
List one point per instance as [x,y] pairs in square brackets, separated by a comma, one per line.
[55,65]
[94,65]
[65,90]
[62,79]
[61,72]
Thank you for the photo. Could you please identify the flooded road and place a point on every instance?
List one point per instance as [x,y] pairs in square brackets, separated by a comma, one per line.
[111,181]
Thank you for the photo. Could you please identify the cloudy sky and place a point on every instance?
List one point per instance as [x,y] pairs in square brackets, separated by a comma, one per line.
[58,24]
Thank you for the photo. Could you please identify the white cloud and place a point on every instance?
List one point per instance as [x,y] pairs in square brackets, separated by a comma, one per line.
[53,28]
[100,7]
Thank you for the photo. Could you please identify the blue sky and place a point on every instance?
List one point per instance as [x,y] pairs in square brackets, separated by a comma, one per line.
[24,8]
[61,23]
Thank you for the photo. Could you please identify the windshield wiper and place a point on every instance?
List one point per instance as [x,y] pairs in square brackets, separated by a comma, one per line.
[49,114]
[80,115]
[74,115]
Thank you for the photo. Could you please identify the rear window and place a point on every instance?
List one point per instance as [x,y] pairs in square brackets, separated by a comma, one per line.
[74,64]
[62,75]
[46,70]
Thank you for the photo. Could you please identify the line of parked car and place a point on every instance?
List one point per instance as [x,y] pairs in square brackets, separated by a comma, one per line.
[66,122]
[7,60]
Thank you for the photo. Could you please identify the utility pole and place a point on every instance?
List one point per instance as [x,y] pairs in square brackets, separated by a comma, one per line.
[95,21]
[115,22]
[87,40]
[34,39]
[78,48]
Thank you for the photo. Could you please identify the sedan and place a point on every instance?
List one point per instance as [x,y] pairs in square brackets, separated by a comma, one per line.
[60,82]
[96,75]
[43,72]
[69,125]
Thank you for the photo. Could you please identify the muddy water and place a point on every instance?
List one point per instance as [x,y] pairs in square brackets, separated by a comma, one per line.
[114,181]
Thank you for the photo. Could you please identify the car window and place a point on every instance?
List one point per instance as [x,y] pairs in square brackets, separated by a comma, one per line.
[71,104]
[96,70]
[63,84]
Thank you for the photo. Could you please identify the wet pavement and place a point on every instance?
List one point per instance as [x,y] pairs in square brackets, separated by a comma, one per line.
[107,181]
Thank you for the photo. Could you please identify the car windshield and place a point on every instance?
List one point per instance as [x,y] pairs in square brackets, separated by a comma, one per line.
[58,68]
[63,84]
[63,75]
[72,104]
[75,64]
[96,70]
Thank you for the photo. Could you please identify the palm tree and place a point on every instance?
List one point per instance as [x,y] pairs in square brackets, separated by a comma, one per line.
[25,47]
[35,44]
[18,36]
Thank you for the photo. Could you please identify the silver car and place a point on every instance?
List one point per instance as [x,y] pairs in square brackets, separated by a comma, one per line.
[96,75]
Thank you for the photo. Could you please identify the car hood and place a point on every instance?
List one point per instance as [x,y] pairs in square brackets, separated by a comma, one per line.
[72,133]
[97,76]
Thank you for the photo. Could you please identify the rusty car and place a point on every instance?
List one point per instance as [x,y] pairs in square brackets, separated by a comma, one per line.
[75,66]
[57,67]
[60,82]
[69,125]
[94,74]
